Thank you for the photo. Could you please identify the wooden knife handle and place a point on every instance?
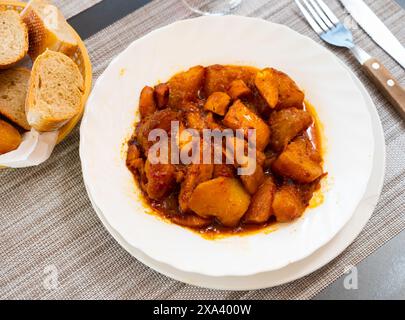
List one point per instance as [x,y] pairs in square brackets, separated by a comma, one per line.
[389,86]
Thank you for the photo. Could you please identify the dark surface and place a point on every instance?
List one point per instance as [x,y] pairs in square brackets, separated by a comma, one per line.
[380,276]
[102,15]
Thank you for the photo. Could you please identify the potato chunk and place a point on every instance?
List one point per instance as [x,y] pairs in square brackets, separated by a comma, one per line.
[147,105]
[162,92]
[287,205]
[185,86]
[223,198]
[218,103]
[238,89]
[290,96]
[219,78]
[158,120]
[260,209]
[161,179]
[266,82]
[224,170]
[296,163]
[191,221]
[195,120]
[278,89]
[134,161]
[286,124]
[253,181]
[237,153]
[241,117]
[196,174]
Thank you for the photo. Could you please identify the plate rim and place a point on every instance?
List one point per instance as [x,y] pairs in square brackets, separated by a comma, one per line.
[198,279]
[303,37]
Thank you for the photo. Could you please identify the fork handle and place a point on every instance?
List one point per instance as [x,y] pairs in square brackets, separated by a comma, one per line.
[387,84]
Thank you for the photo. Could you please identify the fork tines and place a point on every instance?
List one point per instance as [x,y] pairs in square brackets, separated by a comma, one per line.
[318,15]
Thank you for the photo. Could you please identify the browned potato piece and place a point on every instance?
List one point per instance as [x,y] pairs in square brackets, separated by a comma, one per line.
[286,124]
[224,170]
[184,87]
[260,158]
[191,221]
[241,147]
[290,96]
[238,89]
[223,198]
[162,92]
[287,204]
[134,160]
[241,117]
[307,190]
[271,156]
[252,182]
[161,179]
[218,103]
[147,104]
[267,83]
[260,209]
[10,138]
[278,89]
[200,120]
[219,78]
[296,163]
[196,174]
[195,120]
[158,120]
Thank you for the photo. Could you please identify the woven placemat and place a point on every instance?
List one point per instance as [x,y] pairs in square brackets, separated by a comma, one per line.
[47,223]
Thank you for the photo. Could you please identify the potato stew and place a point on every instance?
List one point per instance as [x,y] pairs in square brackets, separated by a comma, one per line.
[212,198]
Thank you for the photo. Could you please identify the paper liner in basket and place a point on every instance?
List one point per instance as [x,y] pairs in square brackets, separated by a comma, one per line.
[35,149]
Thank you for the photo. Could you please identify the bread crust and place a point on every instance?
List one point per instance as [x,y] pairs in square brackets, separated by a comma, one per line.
[10,138]
[5,64]
[41,37]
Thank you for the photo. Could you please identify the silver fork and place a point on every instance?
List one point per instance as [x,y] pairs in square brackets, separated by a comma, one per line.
[332,31]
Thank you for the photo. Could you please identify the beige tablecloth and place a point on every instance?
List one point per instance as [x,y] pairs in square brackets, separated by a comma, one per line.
[47,223]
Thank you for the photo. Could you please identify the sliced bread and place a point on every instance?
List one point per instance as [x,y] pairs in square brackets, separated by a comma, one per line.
[10,138]
[14,39]
[55,91]
[48,29]
[13,92]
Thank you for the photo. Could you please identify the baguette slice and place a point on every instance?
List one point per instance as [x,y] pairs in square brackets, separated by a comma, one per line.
[55,91]
[10,138]
[48,29]
[13,39]
[13,92]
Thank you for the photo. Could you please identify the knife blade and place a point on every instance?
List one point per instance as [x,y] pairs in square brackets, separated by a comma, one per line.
[376,29]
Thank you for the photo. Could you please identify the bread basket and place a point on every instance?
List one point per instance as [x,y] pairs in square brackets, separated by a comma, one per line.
[80,57]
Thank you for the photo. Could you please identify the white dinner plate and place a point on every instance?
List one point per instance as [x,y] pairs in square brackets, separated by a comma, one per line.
[111,113]
[299,269]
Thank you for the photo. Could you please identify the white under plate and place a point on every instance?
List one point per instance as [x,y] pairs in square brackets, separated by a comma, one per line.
[299,269]
[111,113]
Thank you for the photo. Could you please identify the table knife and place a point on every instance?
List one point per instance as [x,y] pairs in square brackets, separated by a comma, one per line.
[376,29]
